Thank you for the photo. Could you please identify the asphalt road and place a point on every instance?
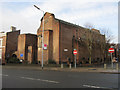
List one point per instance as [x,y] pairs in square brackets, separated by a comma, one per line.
[26,78]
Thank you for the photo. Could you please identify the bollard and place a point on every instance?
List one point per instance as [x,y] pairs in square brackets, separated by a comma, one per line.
[117,66]
[61,65]
[70,65]
[105,66]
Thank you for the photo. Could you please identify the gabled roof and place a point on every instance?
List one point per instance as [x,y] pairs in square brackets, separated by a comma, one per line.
[48,14]
[68,23]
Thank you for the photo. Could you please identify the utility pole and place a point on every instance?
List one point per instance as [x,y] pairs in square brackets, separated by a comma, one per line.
[42,32]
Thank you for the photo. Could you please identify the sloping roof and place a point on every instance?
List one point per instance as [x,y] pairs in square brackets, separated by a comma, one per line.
[28,34]
[47,13]
[68,23]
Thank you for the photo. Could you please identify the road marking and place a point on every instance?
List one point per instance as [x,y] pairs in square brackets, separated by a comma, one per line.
[91,86]
[3,75]
[28,78]
[40,80]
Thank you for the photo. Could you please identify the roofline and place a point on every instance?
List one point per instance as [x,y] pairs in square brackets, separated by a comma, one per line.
[13,31]
[28,34]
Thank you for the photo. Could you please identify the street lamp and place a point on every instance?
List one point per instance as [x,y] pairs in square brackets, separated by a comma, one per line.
[42,33]
[1,50]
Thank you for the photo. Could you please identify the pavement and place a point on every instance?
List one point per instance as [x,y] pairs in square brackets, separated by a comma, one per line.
[66,69]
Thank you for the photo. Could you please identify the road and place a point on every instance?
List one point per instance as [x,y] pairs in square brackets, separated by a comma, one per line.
[28,78]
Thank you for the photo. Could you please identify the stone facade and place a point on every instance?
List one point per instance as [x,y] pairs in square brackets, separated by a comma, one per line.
[60,35]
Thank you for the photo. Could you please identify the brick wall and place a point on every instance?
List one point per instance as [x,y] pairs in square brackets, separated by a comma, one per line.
[51,24]
[76,37]
[69,36]
[27,45]
[11,42]
[48,40]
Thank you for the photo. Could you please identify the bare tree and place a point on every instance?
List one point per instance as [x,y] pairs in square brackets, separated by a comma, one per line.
[108,35]
[89,41]
[108,39]
[89,26]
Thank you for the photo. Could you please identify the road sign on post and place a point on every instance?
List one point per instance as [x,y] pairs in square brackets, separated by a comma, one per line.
[75,52]
[111,50]
[45,47]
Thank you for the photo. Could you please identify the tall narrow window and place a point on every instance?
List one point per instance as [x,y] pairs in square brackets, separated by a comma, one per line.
[76,33]
[40,41]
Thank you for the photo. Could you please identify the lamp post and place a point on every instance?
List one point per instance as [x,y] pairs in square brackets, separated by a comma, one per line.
[1,50]
[42,33]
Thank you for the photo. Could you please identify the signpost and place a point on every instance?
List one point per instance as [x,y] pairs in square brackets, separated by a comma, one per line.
[111,50]
[75,52]
[45,46]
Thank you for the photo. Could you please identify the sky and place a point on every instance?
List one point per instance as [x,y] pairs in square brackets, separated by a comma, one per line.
[102,14]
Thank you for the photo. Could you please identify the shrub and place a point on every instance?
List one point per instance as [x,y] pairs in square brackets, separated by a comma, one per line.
[51,61]
[13,60]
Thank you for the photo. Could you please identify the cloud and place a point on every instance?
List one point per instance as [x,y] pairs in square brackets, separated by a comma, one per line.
[59,1]
[28,18]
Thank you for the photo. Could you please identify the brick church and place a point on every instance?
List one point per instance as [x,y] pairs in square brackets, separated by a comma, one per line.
[61,38]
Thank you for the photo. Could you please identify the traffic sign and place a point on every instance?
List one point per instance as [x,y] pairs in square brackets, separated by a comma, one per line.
[75,52]
[45,46]
[111,50]
[21,55]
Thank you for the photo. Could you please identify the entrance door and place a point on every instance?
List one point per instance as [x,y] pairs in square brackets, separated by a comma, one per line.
[30,54]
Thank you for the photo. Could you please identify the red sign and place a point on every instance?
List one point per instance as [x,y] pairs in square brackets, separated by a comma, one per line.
[111,50]
[45,45]
[75,52]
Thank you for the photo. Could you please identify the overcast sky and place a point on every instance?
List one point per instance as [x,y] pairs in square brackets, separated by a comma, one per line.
[102,14]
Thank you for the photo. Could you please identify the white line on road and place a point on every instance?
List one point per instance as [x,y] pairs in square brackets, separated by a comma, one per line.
[40,80]
[91,86]
[28,78]
[3,75]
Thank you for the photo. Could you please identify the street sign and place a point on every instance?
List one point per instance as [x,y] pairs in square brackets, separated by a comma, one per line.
[45,46]
[111,50]
[75,52]
[21,55]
